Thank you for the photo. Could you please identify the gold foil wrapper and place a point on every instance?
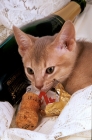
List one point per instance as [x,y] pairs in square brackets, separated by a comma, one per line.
[54,109]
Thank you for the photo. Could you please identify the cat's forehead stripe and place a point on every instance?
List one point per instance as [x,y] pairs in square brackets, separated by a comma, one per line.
[40,48]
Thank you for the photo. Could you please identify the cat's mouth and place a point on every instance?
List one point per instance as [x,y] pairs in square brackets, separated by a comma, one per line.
[50,85]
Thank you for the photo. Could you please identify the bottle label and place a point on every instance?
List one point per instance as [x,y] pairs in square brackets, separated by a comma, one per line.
[57,22]
[15,86]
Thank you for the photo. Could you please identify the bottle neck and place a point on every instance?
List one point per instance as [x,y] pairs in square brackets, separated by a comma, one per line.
[70,11]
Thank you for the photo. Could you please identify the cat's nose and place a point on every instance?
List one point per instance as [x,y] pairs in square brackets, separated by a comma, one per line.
[39,86]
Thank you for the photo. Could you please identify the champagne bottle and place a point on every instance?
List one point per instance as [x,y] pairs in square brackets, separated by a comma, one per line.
[13,81]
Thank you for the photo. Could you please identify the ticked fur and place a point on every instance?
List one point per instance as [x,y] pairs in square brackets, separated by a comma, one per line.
[69,59]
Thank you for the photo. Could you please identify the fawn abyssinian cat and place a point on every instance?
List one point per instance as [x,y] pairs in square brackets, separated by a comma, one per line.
[58,57]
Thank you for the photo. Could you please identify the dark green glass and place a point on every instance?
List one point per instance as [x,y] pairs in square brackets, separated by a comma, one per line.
[13,81]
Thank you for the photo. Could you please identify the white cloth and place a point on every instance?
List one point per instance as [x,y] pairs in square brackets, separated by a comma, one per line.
[19,12]
[74,118]
[6,115]
[83,24]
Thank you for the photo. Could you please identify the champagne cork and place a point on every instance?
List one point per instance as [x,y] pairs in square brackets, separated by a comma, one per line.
[28,115]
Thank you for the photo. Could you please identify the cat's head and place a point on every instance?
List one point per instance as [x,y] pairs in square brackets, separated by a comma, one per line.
[49,57]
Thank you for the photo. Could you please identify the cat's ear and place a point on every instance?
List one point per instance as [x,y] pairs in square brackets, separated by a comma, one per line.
[22,39]
[66,37]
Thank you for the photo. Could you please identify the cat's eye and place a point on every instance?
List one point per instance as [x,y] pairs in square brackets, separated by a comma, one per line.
[30,71]
[50,70]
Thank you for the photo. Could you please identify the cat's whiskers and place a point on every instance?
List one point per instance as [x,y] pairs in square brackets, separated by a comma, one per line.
[60,80]
[64,76]
[54,82]
[48,86]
